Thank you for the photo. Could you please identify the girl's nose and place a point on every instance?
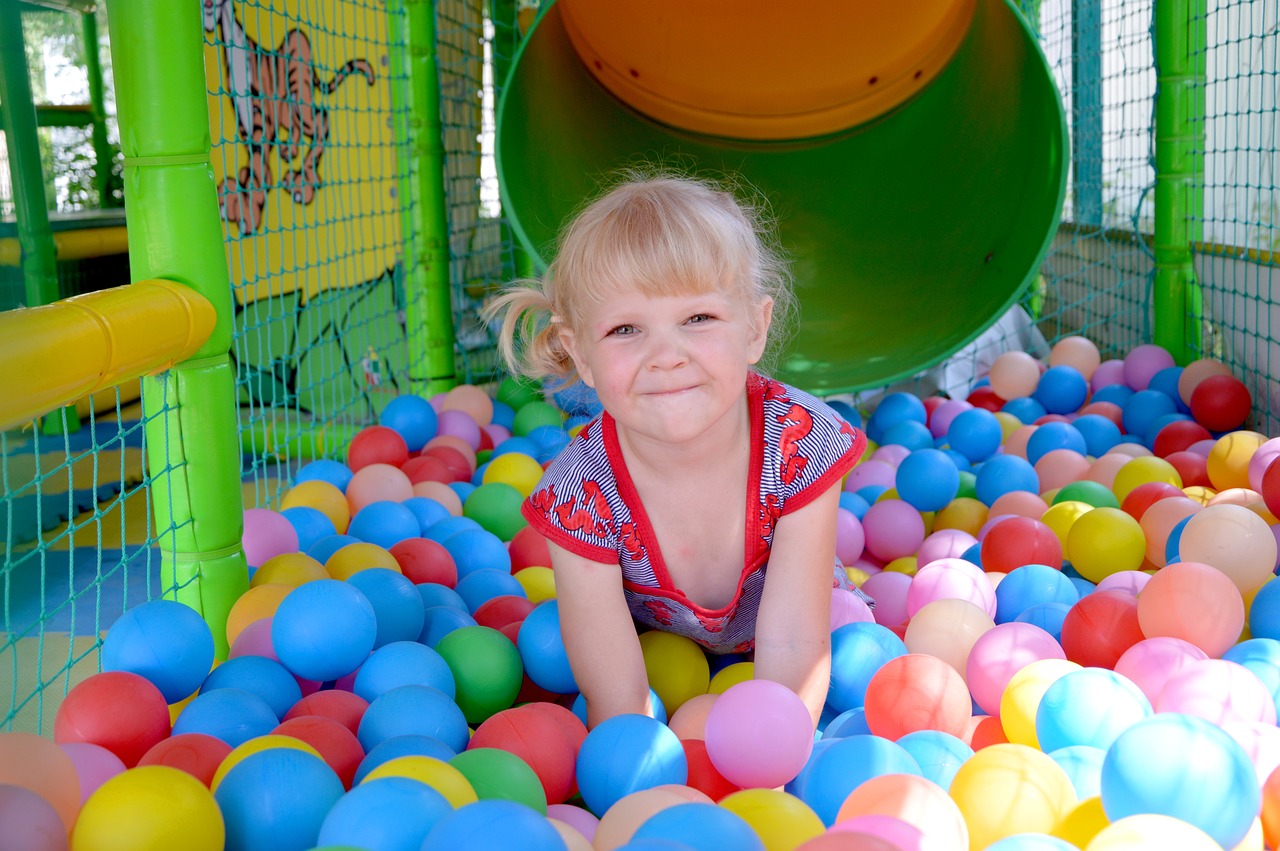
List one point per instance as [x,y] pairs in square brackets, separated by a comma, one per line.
[667,351]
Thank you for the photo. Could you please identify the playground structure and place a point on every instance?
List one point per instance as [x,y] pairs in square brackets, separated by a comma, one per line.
[342,260]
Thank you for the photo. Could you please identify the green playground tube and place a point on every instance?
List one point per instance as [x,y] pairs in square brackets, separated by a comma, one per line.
[193,449]
[910,233]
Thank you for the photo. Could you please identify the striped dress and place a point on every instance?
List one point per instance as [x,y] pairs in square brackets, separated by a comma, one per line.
[587,504]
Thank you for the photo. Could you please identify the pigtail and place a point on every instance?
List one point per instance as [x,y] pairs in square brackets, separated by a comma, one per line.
[528,338]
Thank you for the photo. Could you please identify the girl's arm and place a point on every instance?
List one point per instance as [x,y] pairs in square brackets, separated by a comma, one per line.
[599,637]
[793,628]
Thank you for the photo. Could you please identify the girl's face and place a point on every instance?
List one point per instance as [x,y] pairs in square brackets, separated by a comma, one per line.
[670,368]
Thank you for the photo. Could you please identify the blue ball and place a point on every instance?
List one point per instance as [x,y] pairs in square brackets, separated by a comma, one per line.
[847,412]
[703,827]
[908,433]
[895,408]
[398,746]
[976,434]
[657,709]
[493,824]
[857,652]
[427,510]
[413,710]
[277,798]
[938,754]
[477,549]
[1262,656]
[435,594]
[1031,842]
[1083,764]
[1185,767]
[962,463]
[1030,585]
[1026,409]
[927,480]
[797,785]
[503,414]
[462,489]
[627,753]
[550,440]
[1144,408]
[1100,434]
[1171,543]
[1004,474]
[854,504]
[1047,616]
[1166,381]
[403,663]
[413,418]
[324,630]
[163,641]
[450,525]
[851,722]
[266,678]
[576,399]
[384,523]
[311,524]
[1061,390]
[516,445]
[324,548]
[846,765]
[397,605]
[325,470]
[390,814]
[1149,439]
[1051,436]
[439,621]
[1091,706]
[233,715]
[542,649]
[480,586]
[973,554]
[1116,394]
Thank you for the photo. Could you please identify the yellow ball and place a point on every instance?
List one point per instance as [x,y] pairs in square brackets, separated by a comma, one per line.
[1061,517]
[891,493]
[539,583]
[1008,424]
[291,569]
[353,558]
[964,513]
[257,745]
[324,497]
[1151,832]
[1105,541]
[436,773]
[147,809]
[1228,462]
[1085,821]
[782,821]
[516,469]
[1142,470]
[1021,698]
[676,666]
[731,675]
[1200,494]
[1007,789]
[255,604]
[903,564]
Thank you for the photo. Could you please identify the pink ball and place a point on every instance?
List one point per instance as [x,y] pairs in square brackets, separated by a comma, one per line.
[577,818]
[1060,467]
[889,590]
[1108,372]
[1014,374]
[951,578]
[1194,602]
[1143,362]
[94,764]
[255,640]
[1020,504]
[459,424]
[944,543]
[1077,352]
[1218,691]
[870,473]
[850,539]
[375,483]
[848,607]
[267,533]
[1128,581]
[940,419]
[892,528]
[1151,662]
[1262,456]
[30,821]
[891,454]
[1261,742]
[1001,652]
[759,734]
[497,434]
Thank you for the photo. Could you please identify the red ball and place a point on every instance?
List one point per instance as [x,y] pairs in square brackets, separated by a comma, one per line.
[342,706]
[459,467]
[1192,467]
[423,560]
[336,744]
[117,710]
[1145,495]
[529,549]
[1051,418]
[985,397]
[427,468]
[703,776]
[376,445]
[1100,627]
[198,754]
[1271,487]
[541,740]
[917,692]
[1017,541]
[1177,436]
[1109,410]
[1221,403]
[498,612]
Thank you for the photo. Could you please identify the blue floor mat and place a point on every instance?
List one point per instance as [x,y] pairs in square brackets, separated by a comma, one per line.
[84,592]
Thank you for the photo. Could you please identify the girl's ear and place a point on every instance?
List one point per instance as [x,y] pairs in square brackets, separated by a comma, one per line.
[761,316]
[570,342]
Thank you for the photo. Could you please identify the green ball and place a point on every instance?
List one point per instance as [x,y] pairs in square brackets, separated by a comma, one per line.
[1092,493]
[486,670]
[496,507]
[496,773]
[968,486]
[536,414]
[518,392]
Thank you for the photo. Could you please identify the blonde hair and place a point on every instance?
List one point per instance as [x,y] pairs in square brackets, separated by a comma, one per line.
[657,233]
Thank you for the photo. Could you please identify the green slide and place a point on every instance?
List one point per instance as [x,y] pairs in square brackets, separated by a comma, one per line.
[910,232]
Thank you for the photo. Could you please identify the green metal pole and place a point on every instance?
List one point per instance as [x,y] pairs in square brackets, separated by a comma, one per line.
[429,302]
[39,257]
[174,232]
[98,103]
[1180,41]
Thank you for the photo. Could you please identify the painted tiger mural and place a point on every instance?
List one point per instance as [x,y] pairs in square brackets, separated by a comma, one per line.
[273,92]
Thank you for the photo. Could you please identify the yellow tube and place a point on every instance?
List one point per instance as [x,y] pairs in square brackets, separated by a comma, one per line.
[73,244]
[52,355]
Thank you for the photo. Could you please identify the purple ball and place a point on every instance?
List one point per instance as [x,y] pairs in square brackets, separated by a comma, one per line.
[1143,362]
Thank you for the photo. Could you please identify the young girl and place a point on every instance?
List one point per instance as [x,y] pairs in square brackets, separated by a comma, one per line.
[703,500]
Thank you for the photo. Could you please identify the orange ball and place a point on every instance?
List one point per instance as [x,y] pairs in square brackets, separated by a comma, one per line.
[1197,371]
[913,799]
[255,604]
[690,720]
[441,493]
[375,483]
[1158,521]
[323,497]
[353,558]
[288,569]
[1228,462]
[472,401]
[37,764]
[1195,602]
[1014,374]
[1078,352]
[917,692]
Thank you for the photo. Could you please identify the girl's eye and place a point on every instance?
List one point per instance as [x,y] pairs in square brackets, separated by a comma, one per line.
[622,331]
[698,318]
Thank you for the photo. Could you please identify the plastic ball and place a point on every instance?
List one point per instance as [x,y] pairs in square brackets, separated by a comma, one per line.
[947,629]
[951,578]
[858,650]
[321,496]
[975,434]
[495,505]
[334,742]
[547,737]
[1221,403]
[30,822]
[384,523]
[999,654]
[477,549]
[267,533]
[120,711]
[402,663]
[489,826]
[375,483]
[277,798]
[844,765]
[927,479]
[412,417]
[481,586]
[624,754]
[94,765]
[413,710]
[1194,602]
[233,715]
[39,766]
[376,445]
[1100,627]
[258,675]
[917,692]
[1017,541]
[904,809]
[1014,374]
[1182,766]
[1021,697]
[1141,471]
[1233,539]
[1004,473]
[1228,461]
[1078,352]
[291,569]
[1035,790]
[542,650]
[1062,389]
[197,754]
[397,605]
[153,806]
[391,813]
[703,827]
[324,630]
[486,670]
[893,528]
[676,666]
[166,642]
[1219,691]
[1092,706]
[759,734]
[1105,541]
[497,773]
[1143,362]
[1028,585]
